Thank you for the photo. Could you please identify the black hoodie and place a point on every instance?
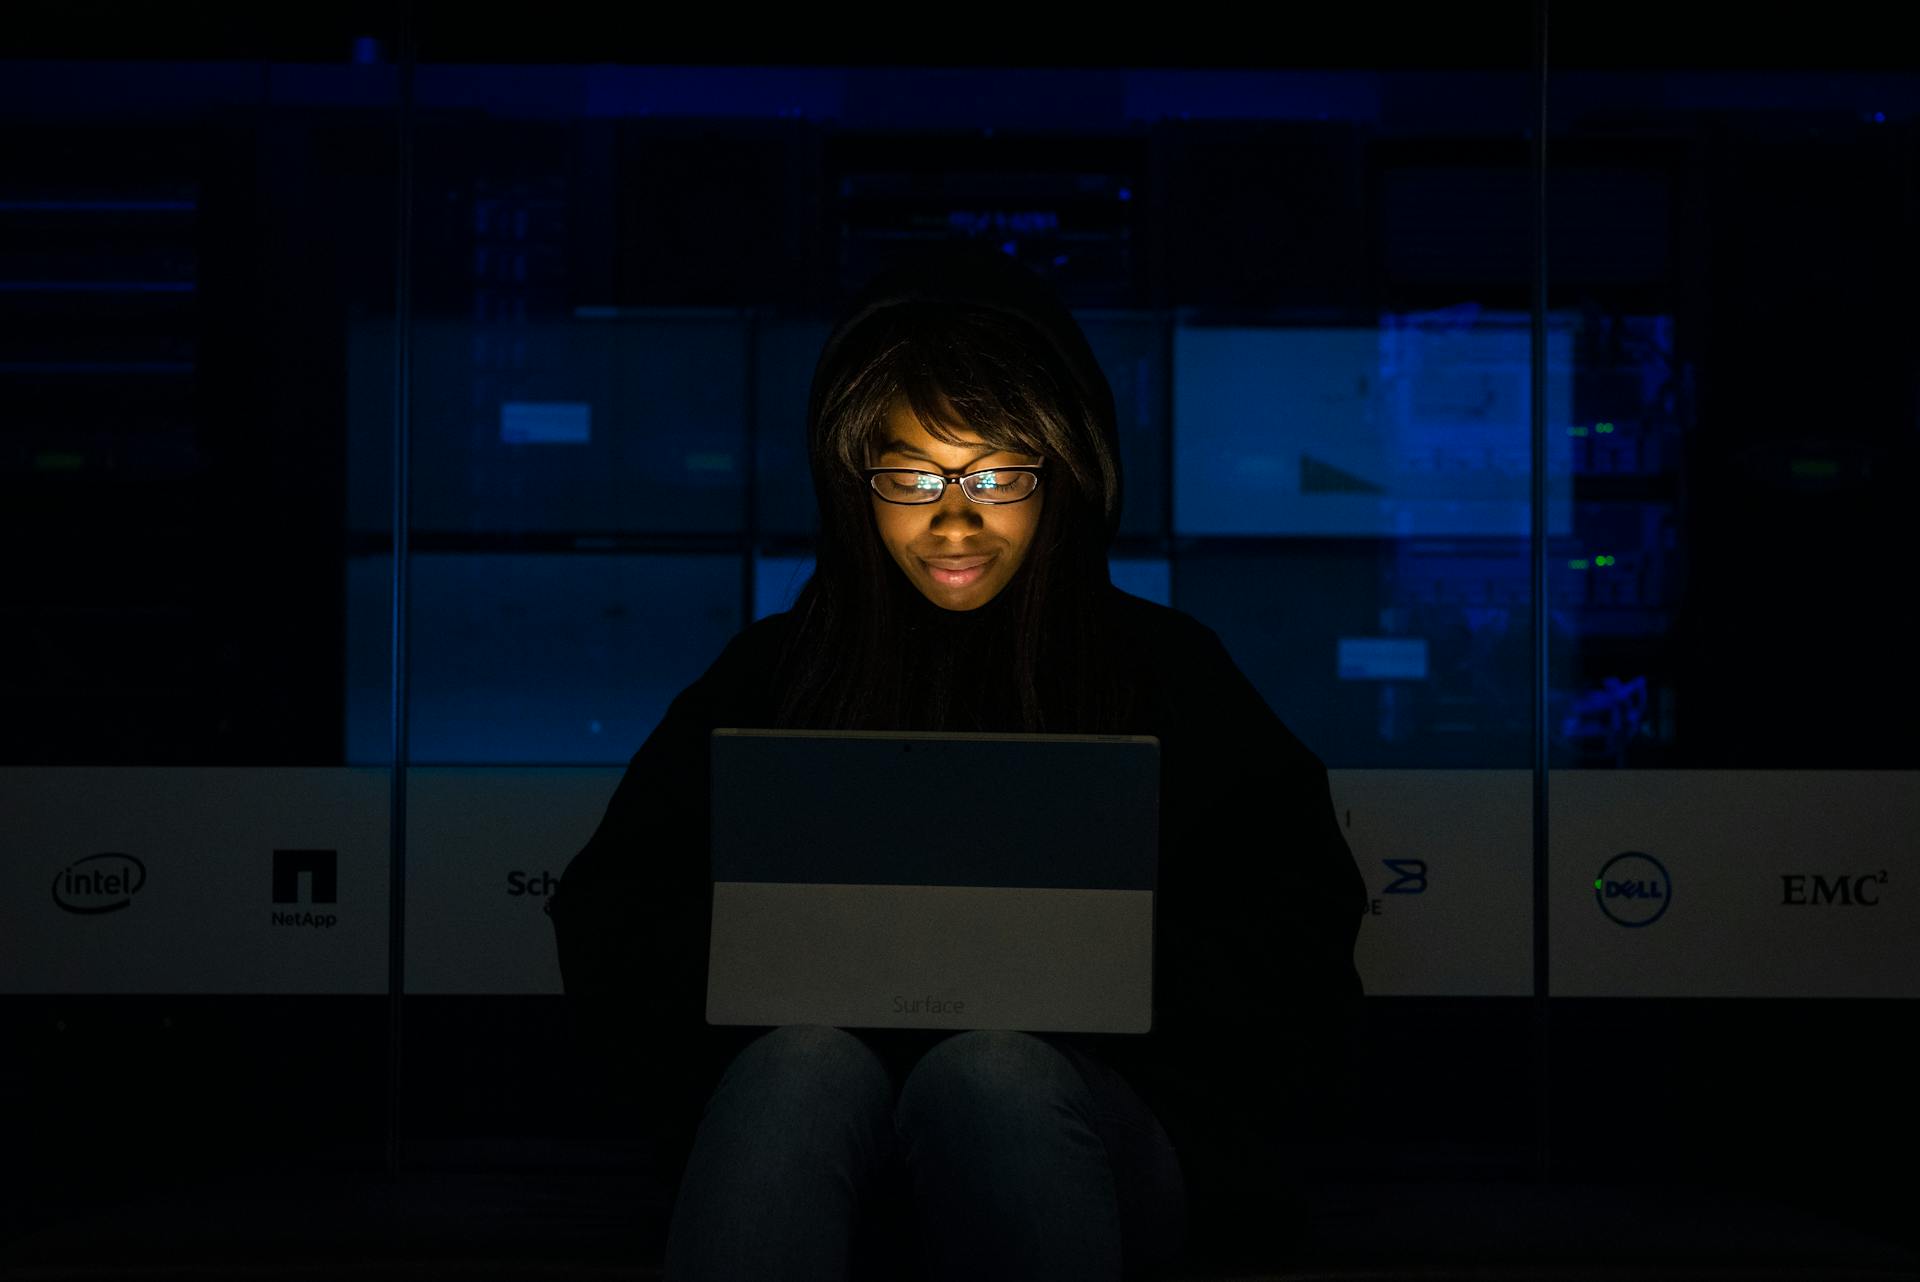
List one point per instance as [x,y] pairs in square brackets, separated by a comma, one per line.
[1258,901]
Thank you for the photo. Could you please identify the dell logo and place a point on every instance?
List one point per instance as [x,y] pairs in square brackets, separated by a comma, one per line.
[1633,889]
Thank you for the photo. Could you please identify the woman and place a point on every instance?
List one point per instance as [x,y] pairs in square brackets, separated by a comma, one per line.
[966,464]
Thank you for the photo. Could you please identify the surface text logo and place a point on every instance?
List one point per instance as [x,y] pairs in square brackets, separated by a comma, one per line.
[1633,889]
[103,883]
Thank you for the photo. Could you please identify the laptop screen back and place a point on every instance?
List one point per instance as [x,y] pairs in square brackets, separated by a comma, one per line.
[904,879]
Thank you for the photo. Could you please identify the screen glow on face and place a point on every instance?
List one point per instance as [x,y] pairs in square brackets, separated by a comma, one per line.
[956,527]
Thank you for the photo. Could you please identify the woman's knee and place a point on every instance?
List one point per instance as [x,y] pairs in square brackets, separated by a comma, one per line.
[986,1068]
[812,1065]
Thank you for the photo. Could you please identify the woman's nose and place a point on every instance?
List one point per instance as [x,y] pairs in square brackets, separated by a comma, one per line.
[953,501]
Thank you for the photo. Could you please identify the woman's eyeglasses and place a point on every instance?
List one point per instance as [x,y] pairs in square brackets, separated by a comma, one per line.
[990,485]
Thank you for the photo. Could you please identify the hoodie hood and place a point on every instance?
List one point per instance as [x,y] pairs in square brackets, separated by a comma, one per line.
[982,277]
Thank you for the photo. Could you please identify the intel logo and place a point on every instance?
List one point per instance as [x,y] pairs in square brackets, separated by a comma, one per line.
[1633,889]
[102,883]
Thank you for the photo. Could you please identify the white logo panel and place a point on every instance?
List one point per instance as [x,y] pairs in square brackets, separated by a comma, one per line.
[485,847]
[1734,883]
[123,880]
[1447,859]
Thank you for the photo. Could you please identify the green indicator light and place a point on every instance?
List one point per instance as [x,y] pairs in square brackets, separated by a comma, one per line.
[48,461]
[1603,428]
[1576,431]
[1579,564]
[1597,883]
[1815,467]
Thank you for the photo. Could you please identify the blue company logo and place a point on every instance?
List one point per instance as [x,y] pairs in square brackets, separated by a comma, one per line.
[1410,876]
[87,886]
[1633,889]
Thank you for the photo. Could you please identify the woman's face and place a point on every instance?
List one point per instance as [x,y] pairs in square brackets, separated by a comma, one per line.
[955,528]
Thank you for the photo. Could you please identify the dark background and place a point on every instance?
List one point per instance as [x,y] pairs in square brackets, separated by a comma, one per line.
[1775,228]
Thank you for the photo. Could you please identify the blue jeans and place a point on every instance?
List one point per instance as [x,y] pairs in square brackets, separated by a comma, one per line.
[1003,1155]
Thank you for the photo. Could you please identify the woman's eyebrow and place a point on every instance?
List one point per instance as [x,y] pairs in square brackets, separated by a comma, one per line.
[898,446]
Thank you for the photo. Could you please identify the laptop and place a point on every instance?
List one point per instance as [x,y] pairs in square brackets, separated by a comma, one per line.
[896,879]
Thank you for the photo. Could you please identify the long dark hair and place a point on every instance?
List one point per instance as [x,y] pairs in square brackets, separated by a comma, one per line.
[1002,377]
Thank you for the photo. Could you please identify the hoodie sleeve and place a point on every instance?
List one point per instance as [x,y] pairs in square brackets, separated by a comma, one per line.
[633,909]
[1263,903]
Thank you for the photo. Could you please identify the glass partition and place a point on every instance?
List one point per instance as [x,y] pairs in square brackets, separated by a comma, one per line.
[1309,291]
[1733,786]
[197,235]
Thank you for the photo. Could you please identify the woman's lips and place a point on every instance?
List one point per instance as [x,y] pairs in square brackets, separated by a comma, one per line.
[969,570]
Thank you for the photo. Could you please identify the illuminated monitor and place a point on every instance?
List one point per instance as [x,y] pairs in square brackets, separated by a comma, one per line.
[1418,426]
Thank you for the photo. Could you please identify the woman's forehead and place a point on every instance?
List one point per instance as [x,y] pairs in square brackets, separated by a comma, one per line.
[904,427]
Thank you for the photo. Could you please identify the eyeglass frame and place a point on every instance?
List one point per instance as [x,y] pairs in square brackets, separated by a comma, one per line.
[955,478]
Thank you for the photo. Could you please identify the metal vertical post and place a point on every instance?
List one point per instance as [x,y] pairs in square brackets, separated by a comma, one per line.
[397,712]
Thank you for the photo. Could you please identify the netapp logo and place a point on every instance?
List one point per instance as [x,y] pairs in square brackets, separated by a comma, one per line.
[321,867]
[102,883]
[1851,892]
[926,1006]
[1633,889]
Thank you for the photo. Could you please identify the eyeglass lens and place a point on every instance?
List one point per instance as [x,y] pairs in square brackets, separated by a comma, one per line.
[926,487]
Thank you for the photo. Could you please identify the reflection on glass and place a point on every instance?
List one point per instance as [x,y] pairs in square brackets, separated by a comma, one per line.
[543,659]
